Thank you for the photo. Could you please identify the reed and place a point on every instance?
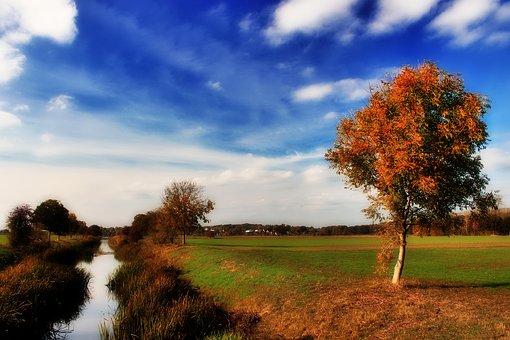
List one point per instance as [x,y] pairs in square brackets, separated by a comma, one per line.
[156,302]
[35,295]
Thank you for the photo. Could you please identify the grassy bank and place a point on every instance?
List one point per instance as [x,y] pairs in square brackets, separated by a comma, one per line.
[43,291]
[156,302]
[325,287]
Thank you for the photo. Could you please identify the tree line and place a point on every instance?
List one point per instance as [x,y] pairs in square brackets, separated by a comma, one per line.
[29,226]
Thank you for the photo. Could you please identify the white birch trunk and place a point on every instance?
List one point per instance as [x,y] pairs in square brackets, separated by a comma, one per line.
[399,266]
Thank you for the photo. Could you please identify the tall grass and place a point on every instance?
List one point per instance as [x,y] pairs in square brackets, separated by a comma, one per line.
[156,303]
[43,289]
[35,294]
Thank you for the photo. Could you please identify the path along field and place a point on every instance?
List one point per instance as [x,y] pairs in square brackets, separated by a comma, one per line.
[325,287]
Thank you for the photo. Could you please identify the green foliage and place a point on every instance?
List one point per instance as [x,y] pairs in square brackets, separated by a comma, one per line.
[53,216]
[19,223]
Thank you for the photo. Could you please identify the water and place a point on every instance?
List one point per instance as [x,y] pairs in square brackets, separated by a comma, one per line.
[101,306]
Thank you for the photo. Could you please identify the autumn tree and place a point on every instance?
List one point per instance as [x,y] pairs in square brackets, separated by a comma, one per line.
[19,223]
[183,207]
[75,226]
[413,149]
[52,216]
[142,224]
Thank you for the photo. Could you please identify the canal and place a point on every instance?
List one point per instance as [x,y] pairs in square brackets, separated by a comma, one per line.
[102,305]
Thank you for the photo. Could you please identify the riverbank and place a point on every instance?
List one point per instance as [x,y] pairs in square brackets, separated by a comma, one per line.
[44,290]
[156,302]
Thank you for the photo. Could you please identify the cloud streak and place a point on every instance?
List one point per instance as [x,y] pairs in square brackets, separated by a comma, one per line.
[394,14]
[347,90]
[8,119]
[306,17]
[462,19]
[21,20]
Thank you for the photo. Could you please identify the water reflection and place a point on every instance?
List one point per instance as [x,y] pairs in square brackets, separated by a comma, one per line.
[101,305]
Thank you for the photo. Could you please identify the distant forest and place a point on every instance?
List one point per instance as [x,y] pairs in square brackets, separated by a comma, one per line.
[495,223]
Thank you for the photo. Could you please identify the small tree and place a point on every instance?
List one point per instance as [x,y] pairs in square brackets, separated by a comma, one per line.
[414,151]
[52,216]
[19,223]
[184,207]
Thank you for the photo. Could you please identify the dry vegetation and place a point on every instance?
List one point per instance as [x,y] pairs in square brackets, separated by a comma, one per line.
[374,309]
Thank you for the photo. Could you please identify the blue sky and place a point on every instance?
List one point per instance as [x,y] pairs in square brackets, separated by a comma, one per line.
[103,103]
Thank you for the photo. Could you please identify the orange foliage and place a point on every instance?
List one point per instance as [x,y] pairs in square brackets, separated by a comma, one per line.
[413,125]
[413,148]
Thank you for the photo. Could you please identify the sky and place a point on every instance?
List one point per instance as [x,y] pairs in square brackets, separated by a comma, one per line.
[103,103]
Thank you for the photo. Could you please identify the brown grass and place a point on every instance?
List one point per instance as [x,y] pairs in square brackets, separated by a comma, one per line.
[377,310]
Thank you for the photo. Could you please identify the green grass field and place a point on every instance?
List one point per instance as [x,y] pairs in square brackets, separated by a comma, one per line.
[3,240]
[239,263]
[288,273]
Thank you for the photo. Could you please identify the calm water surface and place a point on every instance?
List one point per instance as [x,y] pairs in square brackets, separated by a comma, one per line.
[102,304]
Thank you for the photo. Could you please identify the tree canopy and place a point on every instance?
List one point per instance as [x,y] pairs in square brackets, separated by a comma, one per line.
[184,206]
[19,223]
[53,216]
[413,149]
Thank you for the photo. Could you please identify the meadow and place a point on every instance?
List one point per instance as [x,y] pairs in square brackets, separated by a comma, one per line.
[326,287]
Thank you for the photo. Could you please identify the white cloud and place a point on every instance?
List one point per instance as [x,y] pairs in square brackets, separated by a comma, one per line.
[462,20]
[392,14]
[308,71]
[350,89]
[21,108]
[331,116]
[20,20]
[59,103]
[8,120]
[47,137]
[503,13]
[306,17]
[246,24]
[214,85]
[313,92]
[496,159]
[11,62]
[53,19]
[496,38]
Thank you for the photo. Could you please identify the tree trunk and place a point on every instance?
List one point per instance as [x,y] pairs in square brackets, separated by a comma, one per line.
[183,237]
[399,266]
